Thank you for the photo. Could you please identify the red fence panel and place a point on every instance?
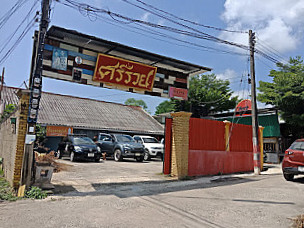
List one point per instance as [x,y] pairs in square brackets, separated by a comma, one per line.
[207,154]
[168,142]
[240,138]
[206,134]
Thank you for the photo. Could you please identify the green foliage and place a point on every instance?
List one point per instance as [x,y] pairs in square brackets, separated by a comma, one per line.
[164,107]
[286,92]
[206,92]
[40,131]
[35,193]
[10,108]
[134,102]
[215,94]
[6,192]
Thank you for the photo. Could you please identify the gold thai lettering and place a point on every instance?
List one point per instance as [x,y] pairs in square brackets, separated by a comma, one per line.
[137,79]
[148,77]
[111,71]
[120,71]
[129,74]
[142,80]
[125,73]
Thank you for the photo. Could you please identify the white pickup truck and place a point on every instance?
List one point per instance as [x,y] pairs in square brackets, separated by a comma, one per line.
[153,148]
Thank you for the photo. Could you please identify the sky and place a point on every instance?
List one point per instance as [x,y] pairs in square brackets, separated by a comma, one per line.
[278,24]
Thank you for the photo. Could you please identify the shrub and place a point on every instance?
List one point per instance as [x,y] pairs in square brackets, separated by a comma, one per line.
[6,192]
[35,193]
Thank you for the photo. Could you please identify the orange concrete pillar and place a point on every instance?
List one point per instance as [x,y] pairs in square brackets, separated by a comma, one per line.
[261,141]
[227,134]
[21,131]
[180,144]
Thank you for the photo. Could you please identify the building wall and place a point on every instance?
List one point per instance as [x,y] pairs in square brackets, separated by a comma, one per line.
[8,143]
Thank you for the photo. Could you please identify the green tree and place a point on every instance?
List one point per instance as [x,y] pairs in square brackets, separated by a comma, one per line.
[134,102]
[165,106]
[286,92]
[206,94]
[9,108]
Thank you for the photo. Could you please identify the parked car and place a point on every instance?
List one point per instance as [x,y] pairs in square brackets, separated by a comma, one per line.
[78,147]
[153,148]
[293,162]
[120,146]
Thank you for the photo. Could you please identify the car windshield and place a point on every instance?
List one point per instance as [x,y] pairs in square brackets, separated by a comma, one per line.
[82,141]
[124,138]
[150,140]
[297,146]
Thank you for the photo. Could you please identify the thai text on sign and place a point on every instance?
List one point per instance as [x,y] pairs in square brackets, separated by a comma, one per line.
[58,130]
[178,93]
[124,73]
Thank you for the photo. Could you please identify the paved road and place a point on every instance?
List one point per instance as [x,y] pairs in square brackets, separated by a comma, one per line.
[83,176]
[229,201]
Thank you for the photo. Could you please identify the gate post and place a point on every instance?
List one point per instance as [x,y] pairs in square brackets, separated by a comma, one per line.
[21,131]
[180,144]
[227,135]
[261,141]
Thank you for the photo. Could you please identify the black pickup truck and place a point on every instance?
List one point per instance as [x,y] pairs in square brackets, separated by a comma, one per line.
[120,146]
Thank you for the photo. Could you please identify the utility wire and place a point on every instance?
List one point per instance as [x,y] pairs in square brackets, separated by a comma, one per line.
[163,35]
[20,38]
[272,53]
[195,33]
[11,12]
[10,38]
[179,18]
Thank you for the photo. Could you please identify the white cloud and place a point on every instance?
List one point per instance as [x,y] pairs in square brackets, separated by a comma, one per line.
[228,74]
[278,23]
[145,16]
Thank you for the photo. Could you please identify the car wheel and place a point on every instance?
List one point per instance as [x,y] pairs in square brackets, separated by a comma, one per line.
[117,155]
[97,159]
[288,177]
[72,157]
[147,156]
[139,159]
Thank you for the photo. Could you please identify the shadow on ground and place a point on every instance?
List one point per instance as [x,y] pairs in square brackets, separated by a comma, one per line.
[299,180]
[148,188]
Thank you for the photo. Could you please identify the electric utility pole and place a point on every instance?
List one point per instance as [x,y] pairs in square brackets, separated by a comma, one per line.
[254,116]
[36,75]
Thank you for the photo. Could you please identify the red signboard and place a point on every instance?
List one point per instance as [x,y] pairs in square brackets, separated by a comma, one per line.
[124,73]
[243,107]
[58,130]
[178,93]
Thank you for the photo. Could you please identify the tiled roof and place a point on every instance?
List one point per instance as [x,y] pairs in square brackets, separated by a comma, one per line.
[83,113]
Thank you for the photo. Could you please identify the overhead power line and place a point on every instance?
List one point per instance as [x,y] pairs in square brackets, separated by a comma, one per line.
[194,33]
[10,38]
[19,39]
[95,12]
[11,12]
[179,18]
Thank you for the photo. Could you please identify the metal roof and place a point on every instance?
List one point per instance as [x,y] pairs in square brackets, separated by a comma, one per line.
[83,113]
[126,52]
